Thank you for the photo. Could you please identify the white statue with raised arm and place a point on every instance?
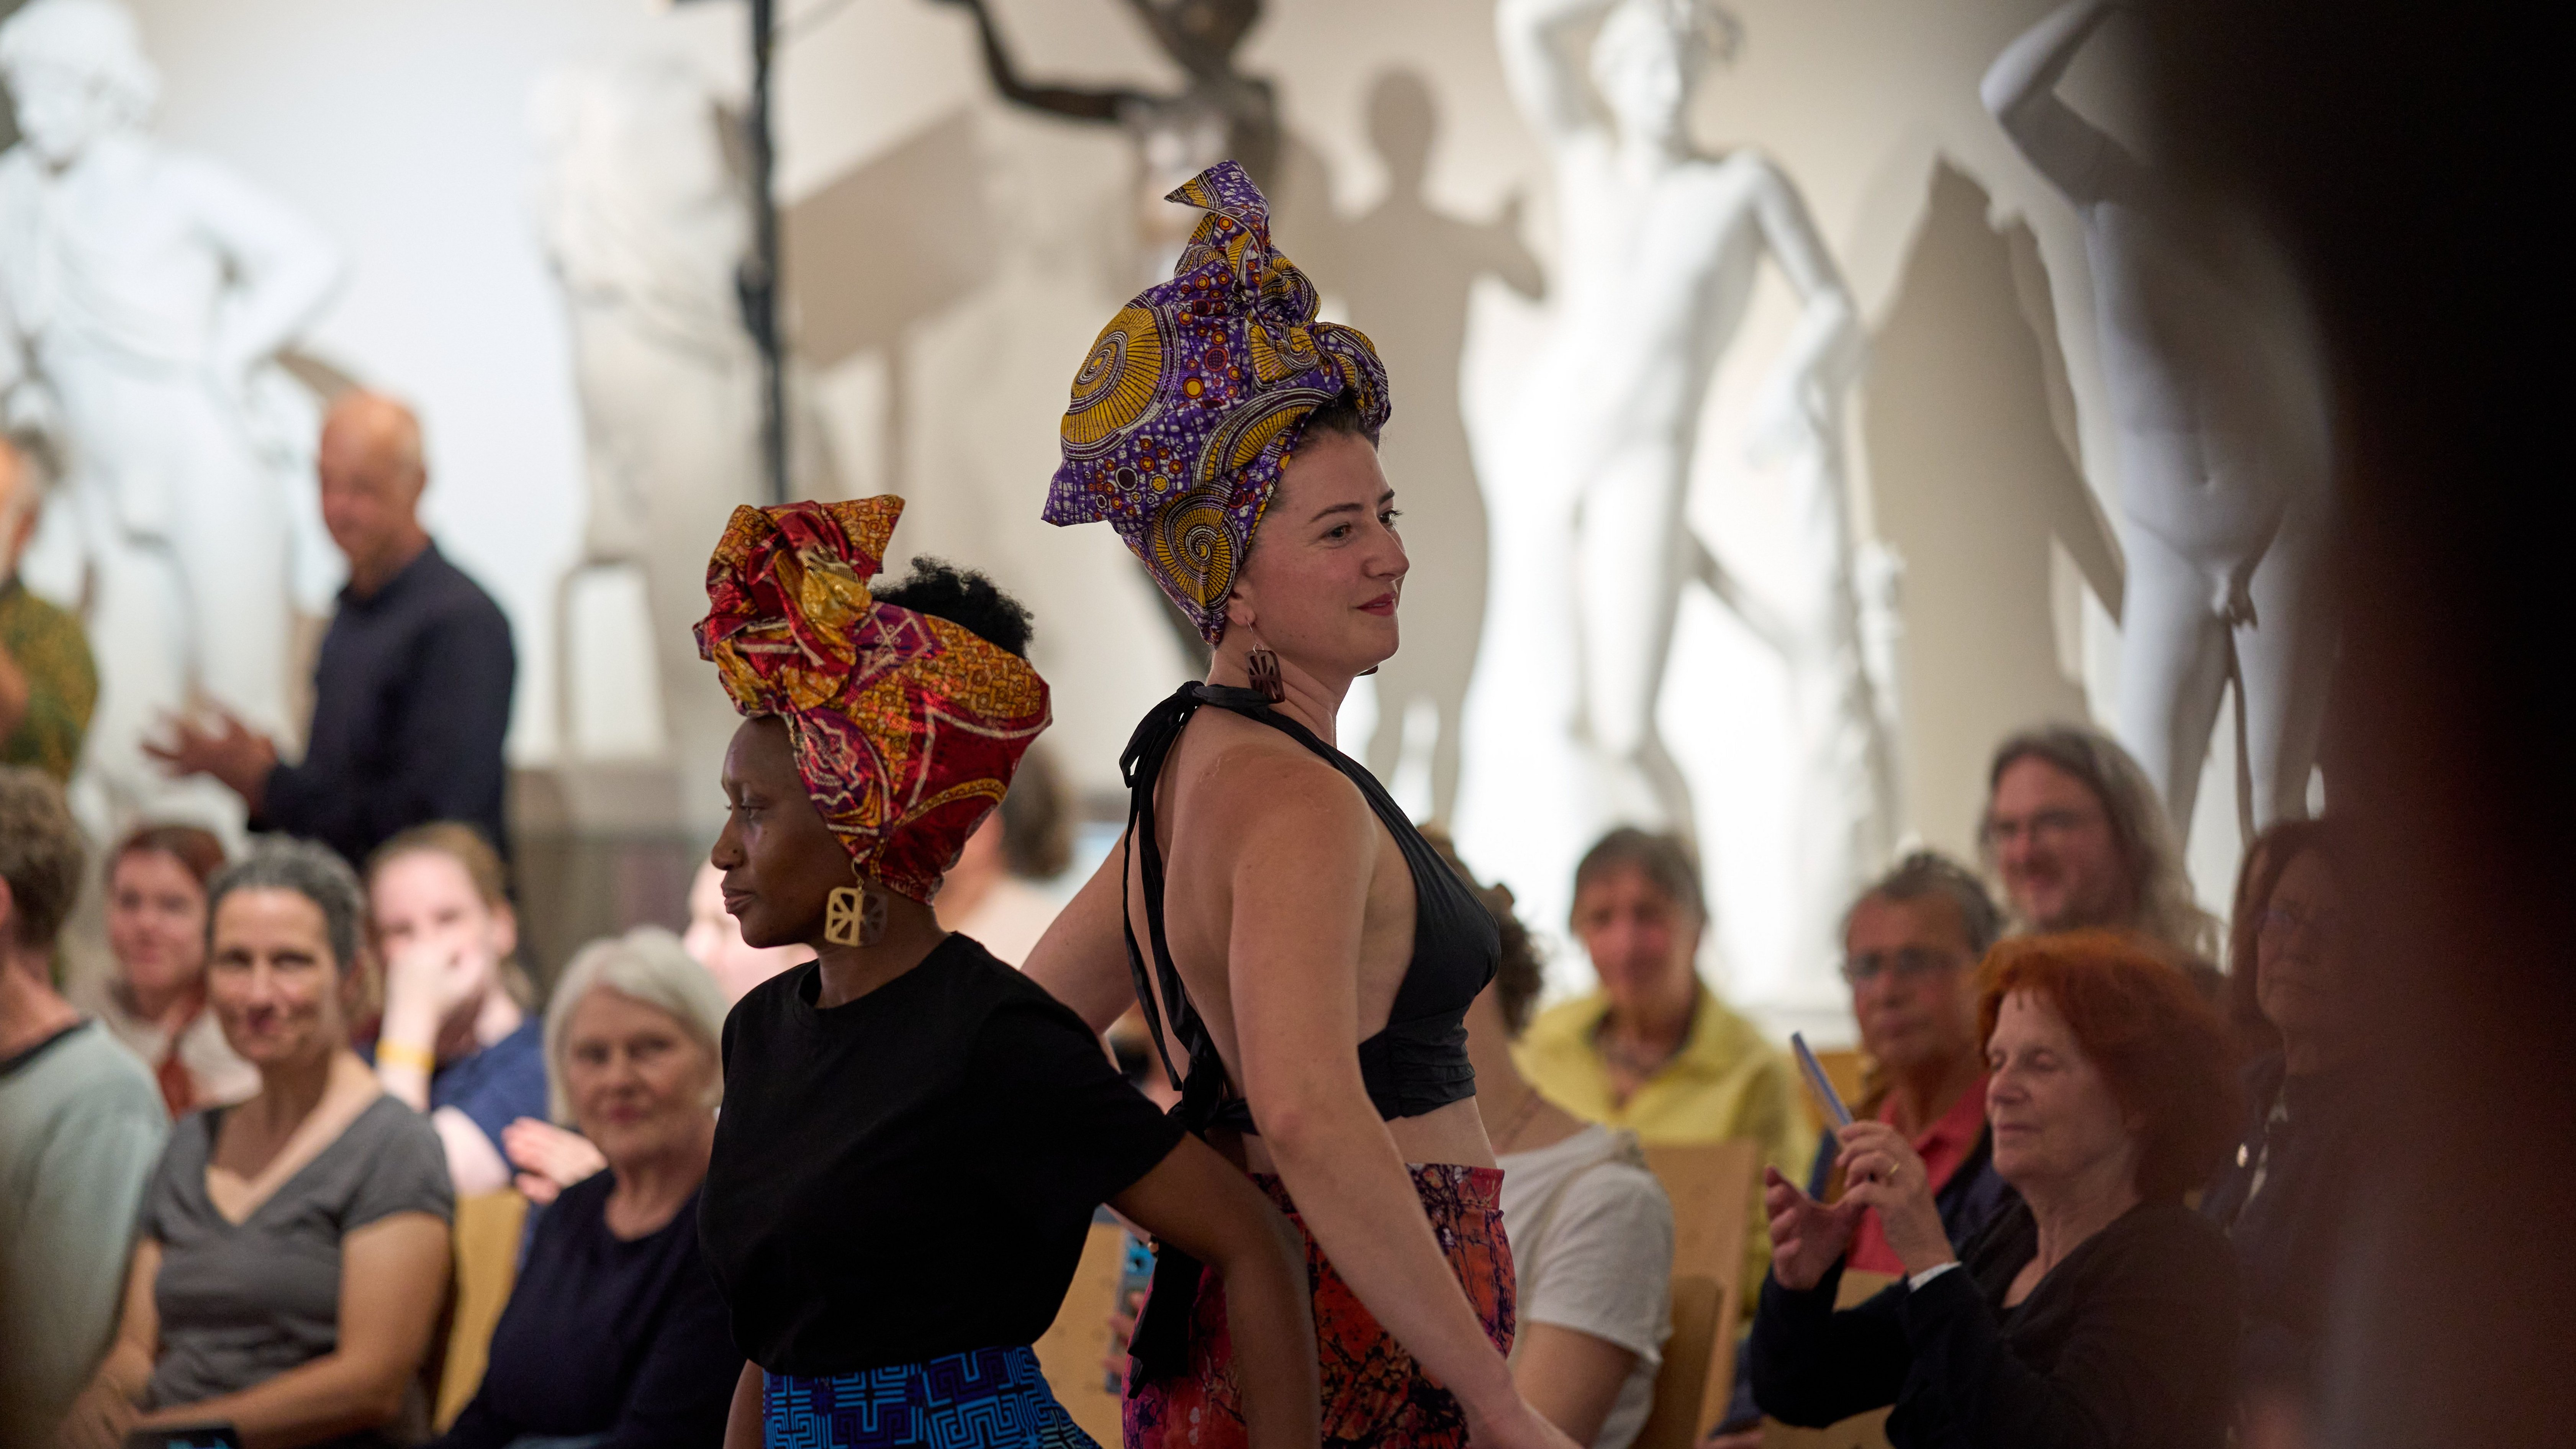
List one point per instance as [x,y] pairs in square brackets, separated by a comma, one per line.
[144,296]
[2219,438]
[1658,248]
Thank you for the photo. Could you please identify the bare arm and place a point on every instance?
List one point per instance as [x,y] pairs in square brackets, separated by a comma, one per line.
[2020,91]
[1300,891]
[1082,958]
[100,1417]
[1201,1204]
[393,1279]
[1066,101]
[1824,348]
[15,694]
[1534,36]
[742,1426]
[1571,1377]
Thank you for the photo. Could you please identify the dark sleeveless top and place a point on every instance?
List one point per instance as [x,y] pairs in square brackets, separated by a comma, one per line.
[1418,1061]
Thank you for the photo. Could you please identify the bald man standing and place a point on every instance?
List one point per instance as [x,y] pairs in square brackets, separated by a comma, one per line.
[411,695]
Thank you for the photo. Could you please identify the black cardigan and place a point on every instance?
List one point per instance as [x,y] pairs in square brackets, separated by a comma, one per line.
[2128,1343]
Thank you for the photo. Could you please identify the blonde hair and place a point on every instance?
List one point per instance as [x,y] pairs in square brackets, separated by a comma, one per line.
[649,965]
[474,855]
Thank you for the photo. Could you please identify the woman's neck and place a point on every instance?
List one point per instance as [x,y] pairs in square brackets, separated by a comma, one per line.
[912,932]
[1313,700]
[479,1025]
[1517,1118]
[651,1190]
[2069,1212]
[289,1091]
[1653,1027]
[2308,1055]
[1926,1095]
[167,1009]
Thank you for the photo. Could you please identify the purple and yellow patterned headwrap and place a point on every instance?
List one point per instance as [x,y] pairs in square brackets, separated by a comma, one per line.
[1184,412]
[906,727]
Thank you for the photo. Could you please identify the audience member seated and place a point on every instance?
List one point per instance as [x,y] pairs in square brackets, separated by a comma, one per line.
[1654,1050]
[80,1127]
[2080,842]
[293,1255]
[1911,945]
[2095,1311]
[456,1041]
[411,694]
[2284,1196]
[987,894]
[155,999]
[615,1335]
[48,682]
[714,940]
[1591,1232]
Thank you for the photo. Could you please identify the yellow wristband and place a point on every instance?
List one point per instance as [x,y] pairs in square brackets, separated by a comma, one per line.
[404,1054]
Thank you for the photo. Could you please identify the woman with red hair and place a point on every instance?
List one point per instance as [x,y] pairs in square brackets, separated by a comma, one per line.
[2096,1311]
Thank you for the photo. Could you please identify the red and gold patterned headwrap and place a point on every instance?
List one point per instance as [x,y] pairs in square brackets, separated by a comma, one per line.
[906,727]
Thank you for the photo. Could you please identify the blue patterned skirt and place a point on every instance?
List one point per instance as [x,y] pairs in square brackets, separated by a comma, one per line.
[987,1398]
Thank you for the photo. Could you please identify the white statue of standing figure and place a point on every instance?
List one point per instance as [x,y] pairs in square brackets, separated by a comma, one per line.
[1659,246]
[144,297]
[2219,437]
[646,225]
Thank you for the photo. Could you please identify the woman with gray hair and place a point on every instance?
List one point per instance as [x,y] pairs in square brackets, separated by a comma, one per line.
[291,1254]
[615,1334]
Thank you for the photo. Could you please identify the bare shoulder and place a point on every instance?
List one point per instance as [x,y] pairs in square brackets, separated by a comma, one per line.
[1242,772]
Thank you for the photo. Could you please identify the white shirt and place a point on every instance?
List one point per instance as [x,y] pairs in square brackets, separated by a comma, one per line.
[1598,1259]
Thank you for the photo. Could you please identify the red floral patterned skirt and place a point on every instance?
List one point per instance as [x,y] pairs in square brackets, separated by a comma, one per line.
[1374,1393]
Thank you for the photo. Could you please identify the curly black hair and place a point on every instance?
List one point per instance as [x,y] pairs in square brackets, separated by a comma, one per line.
[964,597]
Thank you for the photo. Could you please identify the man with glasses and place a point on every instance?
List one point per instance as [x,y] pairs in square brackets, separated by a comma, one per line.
[2078,840]
[1911,945]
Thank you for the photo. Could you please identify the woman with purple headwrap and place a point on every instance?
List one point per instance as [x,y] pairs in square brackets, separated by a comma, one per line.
[1303,957]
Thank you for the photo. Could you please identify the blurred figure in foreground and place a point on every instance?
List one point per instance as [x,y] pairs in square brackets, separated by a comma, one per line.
[987,894]
[48,682]
[80,1127]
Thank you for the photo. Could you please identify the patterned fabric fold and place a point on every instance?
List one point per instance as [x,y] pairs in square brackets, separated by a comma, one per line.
[985,1398]
[906,728]
[1186,407]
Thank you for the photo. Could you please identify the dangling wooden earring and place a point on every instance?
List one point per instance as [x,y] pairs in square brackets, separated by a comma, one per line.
[1265,675]
[854,916]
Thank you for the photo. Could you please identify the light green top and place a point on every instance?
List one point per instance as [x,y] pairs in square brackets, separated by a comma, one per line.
[81,1127]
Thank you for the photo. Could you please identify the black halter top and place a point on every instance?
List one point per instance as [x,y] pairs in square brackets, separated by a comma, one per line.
[1418,1062]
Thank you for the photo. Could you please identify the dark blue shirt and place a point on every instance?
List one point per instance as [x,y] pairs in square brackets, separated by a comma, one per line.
[606,1336]
[2303,1135]
[497,1085]
[411,697]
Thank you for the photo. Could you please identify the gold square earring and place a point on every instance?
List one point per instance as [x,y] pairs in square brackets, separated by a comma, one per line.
[854,916]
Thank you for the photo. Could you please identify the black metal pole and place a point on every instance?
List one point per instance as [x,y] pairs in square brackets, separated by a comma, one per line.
[759,279]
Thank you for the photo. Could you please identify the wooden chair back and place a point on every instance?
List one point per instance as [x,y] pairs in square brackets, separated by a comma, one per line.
[1711,1186]
[1074,1352]
[487,1232]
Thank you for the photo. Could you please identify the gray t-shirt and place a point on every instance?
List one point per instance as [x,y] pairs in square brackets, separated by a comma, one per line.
[241,1304]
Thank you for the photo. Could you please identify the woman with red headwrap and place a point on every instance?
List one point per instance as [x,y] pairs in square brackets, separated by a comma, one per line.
[915,1136]
[1313,955]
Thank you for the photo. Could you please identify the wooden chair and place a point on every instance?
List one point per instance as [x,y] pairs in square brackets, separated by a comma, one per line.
[488,1228]
[1861,1431]
[1074,1351]
[1711,1186]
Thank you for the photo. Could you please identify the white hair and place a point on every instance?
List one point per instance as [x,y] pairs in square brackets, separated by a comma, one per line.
[646,964]
[94,38]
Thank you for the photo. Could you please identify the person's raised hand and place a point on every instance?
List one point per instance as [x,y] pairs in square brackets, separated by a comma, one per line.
[429,979]
[1807,1237]
[1883,1172]
[549,1158]
[232,752]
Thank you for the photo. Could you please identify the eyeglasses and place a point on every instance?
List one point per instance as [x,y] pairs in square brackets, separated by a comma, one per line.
[2279,921]
[1908,963]
[2053,824]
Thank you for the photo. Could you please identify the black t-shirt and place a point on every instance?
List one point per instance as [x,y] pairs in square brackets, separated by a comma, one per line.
[912,1173]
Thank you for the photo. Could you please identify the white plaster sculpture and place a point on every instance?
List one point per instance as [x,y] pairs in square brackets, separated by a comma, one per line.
[147,295]
[2220,442]
[1659,246]
[645,225]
